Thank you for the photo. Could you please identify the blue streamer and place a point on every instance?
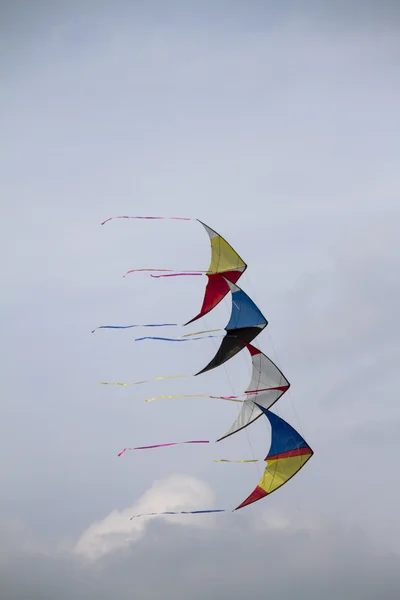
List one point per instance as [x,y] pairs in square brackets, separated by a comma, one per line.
[183,512]
[130,326]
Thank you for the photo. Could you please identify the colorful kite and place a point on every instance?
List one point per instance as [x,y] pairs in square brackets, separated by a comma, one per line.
[288,453]
[267,385]
[245,324]
[288,450]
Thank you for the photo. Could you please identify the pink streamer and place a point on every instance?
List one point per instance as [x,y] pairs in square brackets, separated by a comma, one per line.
[232,397]
[164,445]
[148,270]
[253,392]
[177,274]
[170,272]
[128,217]
[226,397]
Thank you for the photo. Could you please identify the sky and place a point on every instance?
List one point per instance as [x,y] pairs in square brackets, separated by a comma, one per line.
[279,127]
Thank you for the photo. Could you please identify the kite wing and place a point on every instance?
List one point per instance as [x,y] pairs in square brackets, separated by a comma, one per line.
[288,453]
[226,265]
[268,384]
[246,322]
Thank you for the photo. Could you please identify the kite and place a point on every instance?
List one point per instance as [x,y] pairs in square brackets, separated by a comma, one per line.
[245,324]
[225,266]
[288,451]
[266,386]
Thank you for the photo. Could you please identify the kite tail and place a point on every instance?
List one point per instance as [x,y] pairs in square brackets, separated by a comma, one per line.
[151,218]
[200,332]
[225,460]
[121,383]
[165,339]
[182,512]
[139,325]
[163,445]
[177,396]
[185,338]
[180,274]
[229,398]
[170,272]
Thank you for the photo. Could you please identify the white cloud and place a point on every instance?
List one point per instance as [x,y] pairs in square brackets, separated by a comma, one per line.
[117,530]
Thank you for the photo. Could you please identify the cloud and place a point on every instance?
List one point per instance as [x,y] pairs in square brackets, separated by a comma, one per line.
[176,493]
[241,557]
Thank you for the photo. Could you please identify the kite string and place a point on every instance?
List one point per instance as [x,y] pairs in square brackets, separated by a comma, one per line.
[249,369]
[289,391]
[225,302]
[232,388]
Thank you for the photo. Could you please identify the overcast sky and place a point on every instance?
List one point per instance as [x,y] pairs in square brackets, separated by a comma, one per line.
[278,127]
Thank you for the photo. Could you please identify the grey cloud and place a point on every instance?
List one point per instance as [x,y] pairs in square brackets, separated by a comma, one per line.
[234,562]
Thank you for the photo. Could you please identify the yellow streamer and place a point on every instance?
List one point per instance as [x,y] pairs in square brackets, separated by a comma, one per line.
[182,396]
[200,332]
[193,396]
[145,381]
[226,398]
[124,384]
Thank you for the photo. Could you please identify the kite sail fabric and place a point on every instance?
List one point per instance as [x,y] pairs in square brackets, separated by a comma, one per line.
[245,324]
[225,265]
[267,385]
[288,453]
